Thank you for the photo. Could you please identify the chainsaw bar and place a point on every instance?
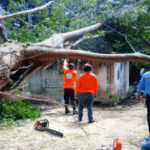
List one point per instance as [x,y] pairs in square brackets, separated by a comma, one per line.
[53,132]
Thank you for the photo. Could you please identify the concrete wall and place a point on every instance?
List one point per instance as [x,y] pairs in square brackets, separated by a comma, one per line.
[105,77]
[121,77]
[112,78]
[48,82]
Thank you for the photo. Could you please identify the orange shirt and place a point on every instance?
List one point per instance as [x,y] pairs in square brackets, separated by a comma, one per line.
[87,82]
[69,78]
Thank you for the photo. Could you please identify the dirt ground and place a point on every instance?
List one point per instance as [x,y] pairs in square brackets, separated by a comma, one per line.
[126,122]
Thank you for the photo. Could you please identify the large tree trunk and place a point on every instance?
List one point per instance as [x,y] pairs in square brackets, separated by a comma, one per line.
[15,55]
[33,56]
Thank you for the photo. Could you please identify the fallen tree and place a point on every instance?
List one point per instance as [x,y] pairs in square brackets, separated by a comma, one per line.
[25,58]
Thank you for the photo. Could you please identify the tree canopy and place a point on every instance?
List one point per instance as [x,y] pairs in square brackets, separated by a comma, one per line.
[129,21]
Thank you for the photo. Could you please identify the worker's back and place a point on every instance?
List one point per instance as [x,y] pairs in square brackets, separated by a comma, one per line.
[69,78]
[87,82]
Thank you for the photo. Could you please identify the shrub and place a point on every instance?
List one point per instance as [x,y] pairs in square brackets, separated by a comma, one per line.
[10,113]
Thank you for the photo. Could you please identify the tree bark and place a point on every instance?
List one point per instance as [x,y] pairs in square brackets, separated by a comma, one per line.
[27,97]
[2,35]
[26,54]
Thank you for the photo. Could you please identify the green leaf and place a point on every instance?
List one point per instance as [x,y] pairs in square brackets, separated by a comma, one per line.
[98,31]
[90,35]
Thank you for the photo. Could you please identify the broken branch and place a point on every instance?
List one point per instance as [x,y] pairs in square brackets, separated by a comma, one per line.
[50,53]
[84,38]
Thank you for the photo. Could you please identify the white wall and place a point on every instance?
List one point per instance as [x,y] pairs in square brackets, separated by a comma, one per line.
[121,77]
[112,78]
[48,82]
[102,78]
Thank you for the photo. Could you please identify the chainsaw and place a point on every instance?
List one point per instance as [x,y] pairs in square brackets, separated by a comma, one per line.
[43,125]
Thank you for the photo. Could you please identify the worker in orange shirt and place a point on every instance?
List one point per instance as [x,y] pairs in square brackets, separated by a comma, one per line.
[86,89]
[69,85]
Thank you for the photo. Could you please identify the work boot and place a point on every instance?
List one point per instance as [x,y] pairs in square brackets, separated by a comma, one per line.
[91,121]
[80,119]
[74,111]
[67,111]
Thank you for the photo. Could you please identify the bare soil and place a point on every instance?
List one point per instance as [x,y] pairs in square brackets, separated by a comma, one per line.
[126,122]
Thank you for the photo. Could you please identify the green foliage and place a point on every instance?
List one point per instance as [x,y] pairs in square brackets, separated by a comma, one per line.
[12,6]
[19,89]
[39,15]
[115,99]
[118,97]
[79,60]
[46,24]
[90,35]
[22,19]
[37,2]
[12,112]
[126,19]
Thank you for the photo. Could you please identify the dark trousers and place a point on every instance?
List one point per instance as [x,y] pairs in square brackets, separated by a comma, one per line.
[148,110]
[69,93]
[88,99]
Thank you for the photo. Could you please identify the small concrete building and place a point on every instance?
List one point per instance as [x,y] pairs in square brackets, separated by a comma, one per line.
[113,80]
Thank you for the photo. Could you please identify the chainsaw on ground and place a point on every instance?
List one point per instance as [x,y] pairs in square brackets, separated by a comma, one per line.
[43,125]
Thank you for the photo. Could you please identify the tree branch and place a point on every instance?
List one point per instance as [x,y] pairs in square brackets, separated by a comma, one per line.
[84,38]
[15,76]
[69,36]
[27,97]
[26,11]
[25,76]
[45,66]
[53,54]
[33,11]
[58,40]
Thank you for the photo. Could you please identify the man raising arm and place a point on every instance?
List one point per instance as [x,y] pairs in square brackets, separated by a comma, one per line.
[69,85]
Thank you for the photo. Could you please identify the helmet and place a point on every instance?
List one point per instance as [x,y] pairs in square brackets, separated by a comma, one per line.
[87,67]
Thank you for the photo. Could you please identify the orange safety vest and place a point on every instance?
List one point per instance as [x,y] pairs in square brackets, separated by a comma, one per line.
[87,82]
[69,78]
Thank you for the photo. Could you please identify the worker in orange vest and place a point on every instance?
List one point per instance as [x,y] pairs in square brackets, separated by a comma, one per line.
[86,89]
[69,85]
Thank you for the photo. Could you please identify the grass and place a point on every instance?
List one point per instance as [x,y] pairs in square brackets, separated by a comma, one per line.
[12,113]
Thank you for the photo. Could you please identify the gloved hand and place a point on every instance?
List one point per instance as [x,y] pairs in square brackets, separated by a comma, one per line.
[138,97]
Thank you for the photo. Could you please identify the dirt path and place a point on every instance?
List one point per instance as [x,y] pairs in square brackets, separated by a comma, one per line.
[125,123]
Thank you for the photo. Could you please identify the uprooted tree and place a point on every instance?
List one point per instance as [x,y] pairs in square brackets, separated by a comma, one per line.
[23,59]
